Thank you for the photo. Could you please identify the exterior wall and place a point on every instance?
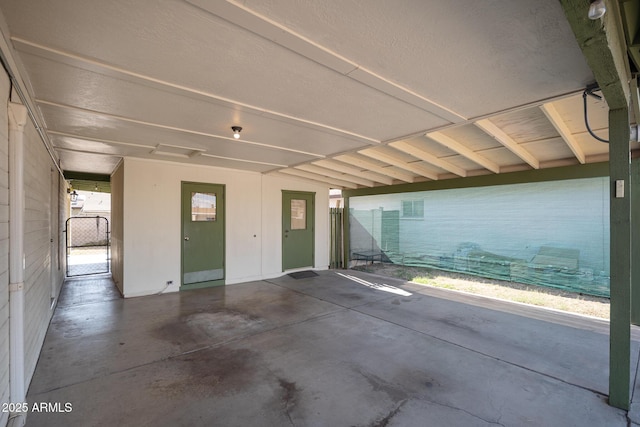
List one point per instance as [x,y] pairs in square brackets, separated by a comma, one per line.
[512,220]
[117,230]
[152,223]
[37,247]
[4,246]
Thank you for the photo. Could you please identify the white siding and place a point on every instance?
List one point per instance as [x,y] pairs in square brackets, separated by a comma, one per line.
[4,245]
[253,228]
[37,246]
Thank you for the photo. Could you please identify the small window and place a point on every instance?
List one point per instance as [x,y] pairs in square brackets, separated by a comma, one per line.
[298,214]
[413,209]
[203,206]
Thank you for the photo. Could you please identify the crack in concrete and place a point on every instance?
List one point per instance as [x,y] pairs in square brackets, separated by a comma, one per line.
[496,422]
[384,422]
[289,397]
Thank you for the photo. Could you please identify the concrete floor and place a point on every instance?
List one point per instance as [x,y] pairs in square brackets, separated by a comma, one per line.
[321,351]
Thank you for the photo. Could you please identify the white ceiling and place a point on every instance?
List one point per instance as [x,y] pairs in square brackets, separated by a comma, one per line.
[353,93]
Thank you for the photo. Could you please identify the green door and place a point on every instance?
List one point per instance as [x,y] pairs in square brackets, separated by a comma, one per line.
[202,235]
[297,229]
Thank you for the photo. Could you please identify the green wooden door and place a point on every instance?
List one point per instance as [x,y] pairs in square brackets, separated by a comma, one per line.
[202,235]
[297,229]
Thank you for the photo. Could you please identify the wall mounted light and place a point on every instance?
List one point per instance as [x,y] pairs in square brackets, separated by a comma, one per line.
[236,131]
[74,196]
[597,9]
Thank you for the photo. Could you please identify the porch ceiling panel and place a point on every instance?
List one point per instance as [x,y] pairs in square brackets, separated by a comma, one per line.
[109,96]
[176,43]
[512,42]
[525,125]
[97,163]
[82,124]
[549,149]
[408,83]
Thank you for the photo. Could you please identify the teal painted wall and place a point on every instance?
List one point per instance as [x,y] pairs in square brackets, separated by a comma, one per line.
[513,221]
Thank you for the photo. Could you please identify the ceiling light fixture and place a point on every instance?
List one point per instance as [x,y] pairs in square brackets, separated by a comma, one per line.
[597,9]
[236,131]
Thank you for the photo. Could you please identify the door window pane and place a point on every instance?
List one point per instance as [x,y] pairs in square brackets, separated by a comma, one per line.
[203,206]
[298,214]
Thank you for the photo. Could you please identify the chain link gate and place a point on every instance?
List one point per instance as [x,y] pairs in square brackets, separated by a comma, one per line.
[87,245]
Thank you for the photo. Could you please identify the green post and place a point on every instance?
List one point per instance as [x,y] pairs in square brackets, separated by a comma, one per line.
[620,222]
[346,235]
[635,237]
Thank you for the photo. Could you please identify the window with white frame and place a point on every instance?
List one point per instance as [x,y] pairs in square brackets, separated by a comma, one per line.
[413,209]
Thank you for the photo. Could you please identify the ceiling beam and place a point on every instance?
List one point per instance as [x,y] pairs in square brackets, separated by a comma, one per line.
[499,135]
[454,145]
[425,156]
[335,174]
[315,177]
[352,159]
[556,120]
[399,162]
[339,166]
[604,48]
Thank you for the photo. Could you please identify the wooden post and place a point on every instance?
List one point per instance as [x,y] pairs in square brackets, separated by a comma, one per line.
[635,237]
[620,222]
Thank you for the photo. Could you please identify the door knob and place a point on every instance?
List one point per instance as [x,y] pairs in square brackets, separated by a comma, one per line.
[186,238]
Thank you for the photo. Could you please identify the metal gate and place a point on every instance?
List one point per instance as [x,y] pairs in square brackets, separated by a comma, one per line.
[337,238]
[87,245]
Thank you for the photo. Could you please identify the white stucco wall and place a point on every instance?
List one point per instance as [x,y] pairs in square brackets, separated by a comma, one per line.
[117,254]
[152,223]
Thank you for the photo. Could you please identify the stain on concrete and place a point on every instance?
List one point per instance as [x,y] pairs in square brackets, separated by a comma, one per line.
[211,372]
[405,384]
[203,326]
[289,397]
[395,392]
[351,296]
[459,323]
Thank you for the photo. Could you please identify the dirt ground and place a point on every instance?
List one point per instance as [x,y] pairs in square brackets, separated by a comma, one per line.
[529,294]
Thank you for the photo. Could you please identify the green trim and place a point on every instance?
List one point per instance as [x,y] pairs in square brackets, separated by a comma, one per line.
[97,186]
[202,285]
[620,234]
[85,176]
[539,175]
[346,236]
[89,181]
[635,237]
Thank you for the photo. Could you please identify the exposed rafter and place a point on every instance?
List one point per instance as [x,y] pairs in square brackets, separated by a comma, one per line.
[315,177]
[335,174]
[398,162]
[491,129]
[339,166]
[556,120]
[454,145]
[416,152]
[356,160]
